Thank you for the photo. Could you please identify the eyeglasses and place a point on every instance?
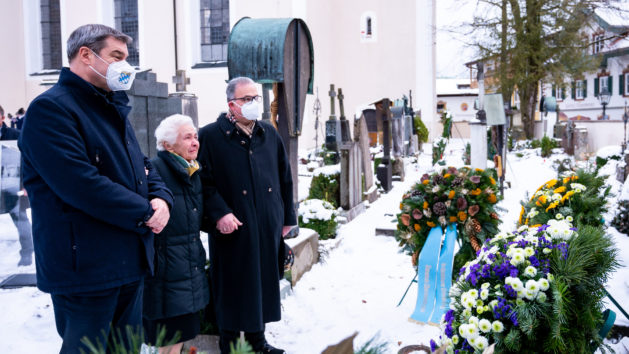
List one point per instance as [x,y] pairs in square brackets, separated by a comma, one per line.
[248,99]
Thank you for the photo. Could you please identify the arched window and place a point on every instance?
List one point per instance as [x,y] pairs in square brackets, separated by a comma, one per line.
[369,26]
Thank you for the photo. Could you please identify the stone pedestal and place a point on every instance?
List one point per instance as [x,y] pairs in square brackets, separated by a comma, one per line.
[478,137]
[361,136]
[204,343]
[385,176]
[333,134]
[579,138]
[398,167]
[351,181]
[306,249]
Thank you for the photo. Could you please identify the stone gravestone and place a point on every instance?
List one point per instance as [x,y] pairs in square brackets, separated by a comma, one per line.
[351,181]
[580,139]
[410,143]
[333,128]
[150,104]
[371,121]
[384,171]
[361,136]
[397,135]
[345,132]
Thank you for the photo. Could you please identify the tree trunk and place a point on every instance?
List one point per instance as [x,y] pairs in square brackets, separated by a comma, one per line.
[528,101]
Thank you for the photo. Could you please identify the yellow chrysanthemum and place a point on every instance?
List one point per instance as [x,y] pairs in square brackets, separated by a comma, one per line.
[463,216]
[451,194]
[417,227]
[551,183]
[492,198]
[492,181]
[552,205]
[431,224]
[425,205]
[560,190]
[425,182]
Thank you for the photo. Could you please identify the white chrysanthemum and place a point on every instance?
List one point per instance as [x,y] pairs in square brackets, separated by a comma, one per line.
[543,284]
[530,271]
[472,341]
[519,300]
[550,277]
[481,343]
[493,303]
[484,293]
[480,303]
[546,250]
[556,196]
[455,339]
[462,330]
[435,189]
[517,258]
[464,191]
[559,229]
[529,251]
[454,291]
[523,228]
[577,187]
[484,325]
[485,286]
[473,319]
[473,293]
[531,285]
[497,326]
[530,295]
[467,313]
[541,296]
[569,218]
[471,331]
[559,216]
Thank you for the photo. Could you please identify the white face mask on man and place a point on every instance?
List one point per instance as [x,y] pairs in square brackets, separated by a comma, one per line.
[120,74]
[250,110]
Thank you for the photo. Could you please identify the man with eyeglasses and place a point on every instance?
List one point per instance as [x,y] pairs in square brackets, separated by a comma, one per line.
[248,208]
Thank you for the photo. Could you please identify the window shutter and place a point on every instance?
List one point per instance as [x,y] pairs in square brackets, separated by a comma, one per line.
[563,93]
[574,90]
[596,90]
[553,91]
[609,85]
[621,84]
[585,88]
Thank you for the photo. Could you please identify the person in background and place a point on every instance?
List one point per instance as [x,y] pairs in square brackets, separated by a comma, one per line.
[248,209]
[179,289]
[17,204]
[19,119]
[96,200]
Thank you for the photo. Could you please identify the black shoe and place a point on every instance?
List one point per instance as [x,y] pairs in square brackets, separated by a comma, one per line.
[269,349]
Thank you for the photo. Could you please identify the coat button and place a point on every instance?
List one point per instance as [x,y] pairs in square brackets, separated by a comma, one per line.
[244,192]
[194,209]
[139,224]
[242,142]
[227,132]
[270,189]
[250,152]
[139,181]
[128,142]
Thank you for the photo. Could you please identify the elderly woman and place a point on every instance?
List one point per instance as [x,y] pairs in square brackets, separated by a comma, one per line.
[179,288]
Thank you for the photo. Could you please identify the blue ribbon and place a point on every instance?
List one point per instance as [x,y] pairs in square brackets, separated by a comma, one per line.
[446,260]
[427,276]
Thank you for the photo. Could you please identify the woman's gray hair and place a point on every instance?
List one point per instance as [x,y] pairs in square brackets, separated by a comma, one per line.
[93,36]
[168,129]
[235,82]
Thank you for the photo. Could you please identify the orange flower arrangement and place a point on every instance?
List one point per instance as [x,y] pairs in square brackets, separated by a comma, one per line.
[425,205]
[417,227]
[431,224]
[451,194]
[453,219]
[476,191]
[492,198]
[462,216]
[425,182]
[492,181]
[560,189]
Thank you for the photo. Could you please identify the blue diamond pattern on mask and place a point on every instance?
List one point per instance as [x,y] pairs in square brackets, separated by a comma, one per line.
[124,77]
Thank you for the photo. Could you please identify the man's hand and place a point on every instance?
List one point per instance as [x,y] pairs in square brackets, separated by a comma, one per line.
[227,224]
[160,217]
[286,229]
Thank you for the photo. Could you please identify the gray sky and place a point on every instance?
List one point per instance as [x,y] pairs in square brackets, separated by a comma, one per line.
[451,50]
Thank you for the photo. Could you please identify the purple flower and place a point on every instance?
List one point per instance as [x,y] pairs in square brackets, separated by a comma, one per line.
[448,330]
[449,316]
[433,345]
[513,272]
[510,291]
[534,261]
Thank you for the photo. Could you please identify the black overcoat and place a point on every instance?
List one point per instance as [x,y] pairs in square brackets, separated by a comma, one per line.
[179,285]
[250,178]
[89,185]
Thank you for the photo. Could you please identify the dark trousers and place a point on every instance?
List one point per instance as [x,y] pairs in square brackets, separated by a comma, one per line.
[91,314]
[255,339]
[20,219]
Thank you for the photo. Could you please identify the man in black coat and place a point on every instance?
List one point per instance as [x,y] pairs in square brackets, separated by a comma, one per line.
[248,208]
[17,204]
[95,198]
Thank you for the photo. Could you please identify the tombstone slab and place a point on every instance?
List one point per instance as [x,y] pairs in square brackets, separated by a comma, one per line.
[306,249]
[398,166]
[478,136]
[361,136]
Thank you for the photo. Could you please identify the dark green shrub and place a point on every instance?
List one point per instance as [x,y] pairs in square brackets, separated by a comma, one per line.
[326,187]
[421,130]
[621,220]
[547,144]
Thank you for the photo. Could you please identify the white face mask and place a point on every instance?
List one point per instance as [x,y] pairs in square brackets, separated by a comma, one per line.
[250,110]
[120,74]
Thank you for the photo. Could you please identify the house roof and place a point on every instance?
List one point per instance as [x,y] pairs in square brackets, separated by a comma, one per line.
[614,20]
[455,87]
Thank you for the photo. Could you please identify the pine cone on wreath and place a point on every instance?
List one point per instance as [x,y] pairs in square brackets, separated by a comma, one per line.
[476,228]
[494,216]
[475,243]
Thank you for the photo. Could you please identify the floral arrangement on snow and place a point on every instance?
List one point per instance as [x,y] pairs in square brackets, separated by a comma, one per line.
[464,196]
[320,216]
[521,293]
[574,193]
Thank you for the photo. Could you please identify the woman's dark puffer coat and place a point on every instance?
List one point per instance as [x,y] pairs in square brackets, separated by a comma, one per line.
[179,285]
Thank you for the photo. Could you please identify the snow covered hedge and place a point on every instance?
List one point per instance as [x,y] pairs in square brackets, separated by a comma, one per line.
[320,216]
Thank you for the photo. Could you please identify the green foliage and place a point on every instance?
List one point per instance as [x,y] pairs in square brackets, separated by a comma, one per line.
[438,148]
[600,161]
[242,347]
[376,162]
[325,228]
[373,346]
[621,220]
[330,157]
[117,344]
[421,130]
[547,144]
[446,121]
[463,196]
[467,155]
[326,187]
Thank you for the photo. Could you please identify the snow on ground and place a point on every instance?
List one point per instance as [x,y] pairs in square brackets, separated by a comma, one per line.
[355,287]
